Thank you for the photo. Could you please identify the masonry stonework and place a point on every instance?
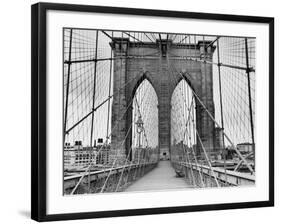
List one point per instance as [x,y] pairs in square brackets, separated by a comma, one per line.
[164,65]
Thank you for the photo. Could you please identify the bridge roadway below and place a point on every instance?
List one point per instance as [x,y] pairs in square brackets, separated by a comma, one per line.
[162,177]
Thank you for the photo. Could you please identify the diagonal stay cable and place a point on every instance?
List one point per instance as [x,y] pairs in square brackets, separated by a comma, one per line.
[91,163]
[101,104]
[108,176]
[226,136]
[207,159]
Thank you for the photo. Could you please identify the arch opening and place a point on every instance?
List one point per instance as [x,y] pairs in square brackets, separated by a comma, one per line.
[145,132]
[183,123]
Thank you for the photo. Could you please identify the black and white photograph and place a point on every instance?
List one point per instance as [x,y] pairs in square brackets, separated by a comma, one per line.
[150,111]
[147,111]
[140,111]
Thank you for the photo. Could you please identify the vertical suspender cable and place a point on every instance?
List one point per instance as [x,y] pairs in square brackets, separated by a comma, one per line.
[94,89]
[93,107]
[221,108]
[67,86]
[109,92]
[250,98]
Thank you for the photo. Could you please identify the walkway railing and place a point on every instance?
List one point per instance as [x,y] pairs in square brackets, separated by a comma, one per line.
[196,173]
[106,180]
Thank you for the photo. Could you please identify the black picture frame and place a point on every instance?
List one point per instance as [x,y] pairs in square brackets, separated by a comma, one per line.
[39,108]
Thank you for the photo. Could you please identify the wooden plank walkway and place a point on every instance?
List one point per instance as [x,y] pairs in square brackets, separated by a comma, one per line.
[160,178]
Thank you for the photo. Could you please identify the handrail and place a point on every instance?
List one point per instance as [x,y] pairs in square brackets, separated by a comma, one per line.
[105,170]
[248,177]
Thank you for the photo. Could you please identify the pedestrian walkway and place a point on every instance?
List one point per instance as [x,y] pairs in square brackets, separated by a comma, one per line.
[160,178]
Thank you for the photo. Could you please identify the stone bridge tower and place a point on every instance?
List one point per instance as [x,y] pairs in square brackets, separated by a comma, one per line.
[164,64]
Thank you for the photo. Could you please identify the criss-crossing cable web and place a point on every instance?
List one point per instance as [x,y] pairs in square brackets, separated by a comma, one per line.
[89,84]
[89,92]
[234,87]
[80,93]
[86,46]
